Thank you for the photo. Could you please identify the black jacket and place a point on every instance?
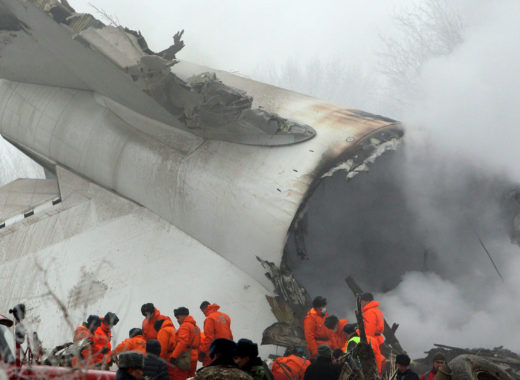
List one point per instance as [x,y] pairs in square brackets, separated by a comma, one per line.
[155,368]
[122,374]
[407,375]
[322,369]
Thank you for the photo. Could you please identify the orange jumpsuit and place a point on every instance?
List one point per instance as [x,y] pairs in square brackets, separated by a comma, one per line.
[337,337]
[148,329]
[167,339]
[80,333]
[316,333]
[166,336]
[290,367]
[188,339]
[374,319]
[216,325]
[102,337]
[374,324]
[136,343]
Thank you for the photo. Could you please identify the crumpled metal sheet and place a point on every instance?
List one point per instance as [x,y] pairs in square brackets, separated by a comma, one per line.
[79,51]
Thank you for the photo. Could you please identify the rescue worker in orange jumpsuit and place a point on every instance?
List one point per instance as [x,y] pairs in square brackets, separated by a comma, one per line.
[291,366]
[102,337]
[216,325]
[86,331]
[352,336]
[188,342]
[134,342]
[150,314]
[316,333]
[166,337]
[373,318]
[336,335]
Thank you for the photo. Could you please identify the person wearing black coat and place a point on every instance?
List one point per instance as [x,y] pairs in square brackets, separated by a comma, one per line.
[155,368]
[402,362]
[130,366]
[322,368]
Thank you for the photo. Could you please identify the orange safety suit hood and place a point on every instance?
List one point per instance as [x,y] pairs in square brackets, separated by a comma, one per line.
[167,323]
[211,309]
[147,326]
[370,305]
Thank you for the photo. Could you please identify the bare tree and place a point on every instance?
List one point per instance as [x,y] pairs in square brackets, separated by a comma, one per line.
[333,80]
[430,29]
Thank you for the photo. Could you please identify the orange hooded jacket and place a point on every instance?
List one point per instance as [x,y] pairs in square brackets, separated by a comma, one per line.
[188,338]
[374,321]
[136,343]
[148,329]
[290,367]
[166,336]
[337,337]
[216,325]
[102,337]
[315,331]
[80,333]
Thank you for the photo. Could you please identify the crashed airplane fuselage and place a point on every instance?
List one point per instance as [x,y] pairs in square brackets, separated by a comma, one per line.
[171,178]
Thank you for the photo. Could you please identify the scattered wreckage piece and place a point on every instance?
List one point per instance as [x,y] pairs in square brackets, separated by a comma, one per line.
[289,307]
[504,359]
[284,334]
[62,355]
[116,62]
[470,367]
[389,333]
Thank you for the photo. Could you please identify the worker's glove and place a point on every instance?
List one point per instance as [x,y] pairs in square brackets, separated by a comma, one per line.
[202,356]
[173,361]
[105,350]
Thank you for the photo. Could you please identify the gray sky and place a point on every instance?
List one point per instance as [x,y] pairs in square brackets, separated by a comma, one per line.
[238,35]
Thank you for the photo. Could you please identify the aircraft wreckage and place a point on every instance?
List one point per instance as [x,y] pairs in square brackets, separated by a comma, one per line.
[166,179]
[168,182]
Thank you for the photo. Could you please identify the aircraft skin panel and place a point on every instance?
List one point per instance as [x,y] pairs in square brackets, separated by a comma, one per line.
[123,257]
[23,195]
[237,200]
[82,68]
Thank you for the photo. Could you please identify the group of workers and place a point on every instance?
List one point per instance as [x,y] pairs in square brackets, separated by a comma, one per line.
[324,329]
[329,339]
[159,351]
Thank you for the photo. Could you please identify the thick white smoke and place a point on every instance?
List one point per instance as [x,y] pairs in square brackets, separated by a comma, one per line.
[468,109]
[459,101]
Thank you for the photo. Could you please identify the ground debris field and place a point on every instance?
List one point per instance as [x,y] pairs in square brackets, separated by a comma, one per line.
[503,358]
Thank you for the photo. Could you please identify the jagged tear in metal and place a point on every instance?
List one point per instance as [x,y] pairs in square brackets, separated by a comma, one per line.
[139,79]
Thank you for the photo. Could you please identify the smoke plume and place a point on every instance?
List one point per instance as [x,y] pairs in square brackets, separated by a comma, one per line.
[431,227]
